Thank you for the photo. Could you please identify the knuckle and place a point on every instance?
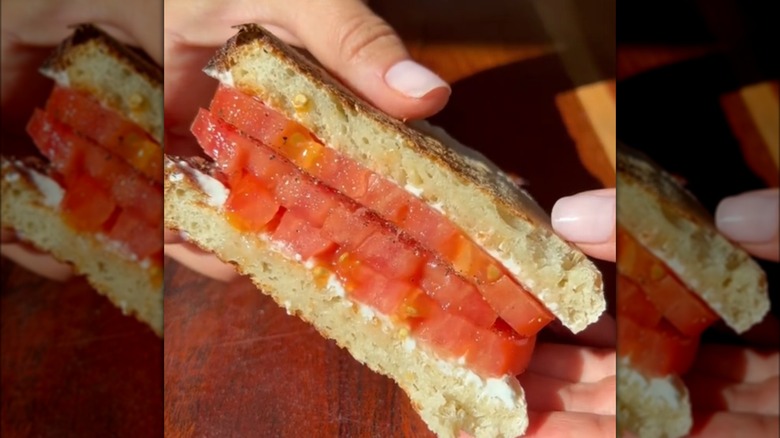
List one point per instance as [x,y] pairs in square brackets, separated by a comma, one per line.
[360,37]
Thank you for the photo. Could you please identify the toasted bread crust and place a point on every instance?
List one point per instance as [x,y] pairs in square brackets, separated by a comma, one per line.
[119,77]
[448,396]
[135,289]
[668,220]
[471,190]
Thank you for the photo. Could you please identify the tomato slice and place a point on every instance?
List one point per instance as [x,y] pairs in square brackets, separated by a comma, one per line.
[655,351]
[370,287]
[304,238]
[634,304]
[456,294]
[70,154]
[249,206]
[489,352]
[680,306]
[390,201]
[108,129]
[526,316]
[86,205]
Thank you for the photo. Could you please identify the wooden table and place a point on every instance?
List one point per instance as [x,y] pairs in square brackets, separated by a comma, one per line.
[72,364]
[237,365]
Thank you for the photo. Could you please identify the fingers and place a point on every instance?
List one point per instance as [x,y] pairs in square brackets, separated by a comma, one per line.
[367,54]
[548,394]
[587,219]
[729,424]
[36,261]
[736,364]
[713,394]
[751,219]
[573,363]
[570,425]
[200,261]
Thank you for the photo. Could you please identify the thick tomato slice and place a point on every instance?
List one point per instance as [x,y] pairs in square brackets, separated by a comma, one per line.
[680,306]
[634,304]
[521,311]
[489,352]
[655,351]
[86,204]
[456,295]
[69,154]
[349,229]
[249,206]
[369,287]
[303,237]
[108,129]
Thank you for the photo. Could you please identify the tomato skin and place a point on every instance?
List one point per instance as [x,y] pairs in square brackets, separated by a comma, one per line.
[108,129]
[655,351]
[681,307]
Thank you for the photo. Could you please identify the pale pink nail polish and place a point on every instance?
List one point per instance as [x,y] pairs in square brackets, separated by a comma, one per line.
[751,217]
[585,217]
[412,79]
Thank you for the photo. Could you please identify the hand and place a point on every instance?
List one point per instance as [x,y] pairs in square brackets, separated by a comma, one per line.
[344,35]
[734,391]
[587,219]
[570,383]
[751,219]
[30,30]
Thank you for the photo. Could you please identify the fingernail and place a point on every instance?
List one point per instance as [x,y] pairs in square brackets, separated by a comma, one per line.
[412,79]
[585,218]
[750,217]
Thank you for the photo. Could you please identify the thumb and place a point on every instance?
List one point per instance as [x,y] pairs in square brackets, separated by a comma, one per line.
[587,219]
[366,53]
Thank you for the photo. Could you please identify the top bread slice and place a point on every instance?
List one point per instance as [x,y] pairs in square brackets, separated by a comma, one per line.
[472,191]
[668,220]
[117,76]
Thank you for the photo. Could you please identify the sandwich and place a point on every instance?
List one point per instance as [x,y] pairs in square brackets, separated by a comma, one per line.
[414,253]
[94,197]
[677,276]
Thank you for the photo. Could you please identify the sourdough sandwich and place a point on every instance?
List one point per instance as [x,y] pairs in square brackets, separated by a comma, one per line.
[476,196]
[122,80]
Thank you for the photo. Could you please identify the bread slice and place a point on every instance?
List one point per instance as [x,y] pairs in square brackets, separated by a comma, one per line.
[651,407]
[29,205]
[118,77]
[447,395]
[666,219]
[468,188]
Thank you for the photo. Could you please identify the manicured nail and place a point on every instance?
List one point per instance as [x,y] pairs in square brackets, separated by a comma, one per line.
[412,79]
[585,217]
[750,217]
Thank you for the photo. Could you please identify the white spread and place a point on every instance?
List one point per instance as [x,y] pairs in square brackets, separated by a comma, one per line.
[59,76]
[416,191]
[223,76]
[51,191]
[216,192]
[505,389]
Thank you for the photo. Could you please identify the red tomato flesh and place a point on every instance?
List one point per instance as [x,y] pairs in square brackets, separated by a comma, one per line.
[430,227]
[655,351]
[681,307]
[108,129]
[71,154]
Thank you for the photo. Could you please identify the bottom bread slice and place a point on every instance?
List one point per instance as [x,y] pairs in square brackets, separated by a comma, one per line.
[447,395]
[651,407]
[29,207]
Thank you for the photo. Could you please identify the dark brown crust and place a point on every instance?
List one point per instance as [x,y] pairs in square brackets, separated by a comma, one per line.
[484,175]
[84,33]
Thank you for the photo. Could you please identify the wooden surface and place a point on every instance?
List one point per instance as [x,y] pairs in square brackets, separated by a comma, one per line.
[237,365]
[72,364]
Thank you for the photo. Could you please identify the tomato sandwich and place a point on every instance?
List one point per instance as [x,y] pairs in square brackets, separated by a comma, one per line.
[416,254]
[94,198]
[677,276]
